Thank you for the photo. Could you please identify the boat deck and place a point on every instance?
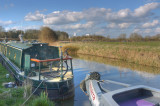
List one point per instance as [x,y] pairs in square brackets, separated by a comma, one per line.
[51,76]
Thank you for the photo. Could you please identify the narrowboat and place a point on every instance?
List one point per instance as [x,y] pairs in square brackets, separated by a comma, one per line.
[41,64]
[112,93]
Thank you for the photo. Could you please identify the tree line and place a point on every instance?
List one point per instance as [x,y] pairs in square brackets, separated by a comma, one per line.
[121,38]
[43,34]
[46,34]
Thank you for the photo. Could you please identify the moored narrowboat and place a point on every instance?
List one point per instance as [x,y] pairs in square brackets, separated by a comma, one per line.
[41,64]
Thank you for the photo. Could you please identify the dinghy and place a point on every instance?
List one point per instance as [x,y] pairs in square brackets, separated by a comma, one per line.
[112,93]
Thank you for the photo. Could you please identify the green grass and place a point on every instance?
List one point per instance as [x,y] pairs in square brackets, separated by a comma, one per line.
[15,96]
[149,43]
[42,101]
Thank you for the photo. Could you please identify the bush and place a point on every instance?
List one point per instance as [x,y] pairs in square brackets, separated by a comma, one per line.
[42,101]
[71,49]
[47,35]
[17,92]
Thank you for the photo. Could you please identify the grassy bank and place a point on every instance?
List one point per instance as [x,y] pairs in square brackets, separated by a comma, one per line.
[144,53]
[122,65]
[17,96]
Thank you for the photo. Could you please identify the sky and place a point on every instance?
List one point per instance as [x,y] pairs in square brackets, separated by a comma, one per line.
[100,17]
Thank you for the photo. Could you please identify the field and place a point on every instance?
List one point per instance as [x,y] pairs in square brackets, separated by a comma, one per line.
[144,53]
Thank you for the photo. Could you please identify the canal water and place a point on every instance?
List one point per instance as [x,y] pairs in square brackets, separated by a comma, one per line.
[110,69]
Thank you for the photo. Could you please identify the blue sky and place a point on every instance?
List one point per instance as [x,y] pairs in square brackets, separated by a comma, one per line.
[102,17]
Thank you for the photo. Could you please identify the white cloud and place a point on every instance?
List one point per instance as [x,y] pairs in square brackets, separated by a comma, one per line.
[76,26]
[98,15]
[5,23]
[147,31]
[145,10]
[121,25]
[63,17]
[37,16]
[111,25]
[157,30]
[124,13]
[97,18]
[150,24]
[124,25]
[136,31]
[23,27]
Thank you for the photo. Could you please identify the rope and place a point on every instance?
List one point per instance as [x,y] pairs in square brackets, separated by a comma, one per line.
[32,93]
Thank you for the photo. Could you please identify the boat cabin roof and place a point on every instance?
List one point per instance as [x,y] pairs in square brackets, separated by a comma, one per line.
[22,45]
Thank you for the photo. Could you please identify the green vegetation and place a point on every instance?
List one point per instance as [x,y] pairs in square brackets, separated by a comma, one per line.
[31,34]
[17,96]
[145,53]
[42,101]
[134,37]
[120,64]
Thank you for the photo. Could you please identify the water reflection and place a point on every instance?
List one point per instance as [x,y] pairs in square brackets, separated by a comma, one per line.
[109,69]
[122,65]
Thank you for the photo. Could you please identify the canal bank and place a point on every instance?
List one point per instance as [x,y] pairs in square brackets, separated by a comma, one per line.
[18,95]
[143,53]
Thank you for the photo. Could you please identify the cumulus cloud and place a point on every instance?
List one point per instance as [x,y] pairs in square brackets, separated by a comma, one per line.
[120,25]
[37,16]
[157,30]
[150,24]
[145,10]
[124,25]
[99,17]
[147,31]
[136,30]
[5,23]
[62,17]
[95,14]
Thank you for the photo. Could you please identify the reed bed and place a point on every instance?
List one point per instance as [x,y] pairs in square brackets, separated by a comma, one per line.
[144,53]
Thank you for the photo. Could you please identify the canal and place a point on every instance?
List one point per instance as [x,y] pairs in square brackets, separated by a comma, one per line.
[110,69]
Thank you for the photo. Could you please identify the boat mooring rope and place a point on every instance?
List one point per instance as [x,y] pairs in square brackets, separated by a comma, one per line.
[32,93]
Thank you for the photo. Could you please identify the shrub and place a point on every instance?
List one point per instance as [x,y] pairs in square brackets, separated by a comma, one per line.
[42,101]
[71,49]
[17,92]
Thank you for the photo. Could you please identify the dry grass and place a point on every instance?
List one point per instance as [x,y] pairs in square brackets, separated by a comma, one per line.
[145,53]
[71,49]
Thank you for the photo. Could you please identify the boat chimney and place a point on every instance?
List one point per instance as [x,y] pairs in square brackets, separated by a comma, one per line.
[21,38]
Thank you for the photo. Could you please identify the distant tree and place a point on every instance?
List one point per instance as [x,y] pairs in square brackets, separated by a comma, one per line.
[62,35]
[108,38]
[122,37]
[2,32]
[135,37]
[47,35]
[147,38]
[156,37]
[14,33]
[31,34]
